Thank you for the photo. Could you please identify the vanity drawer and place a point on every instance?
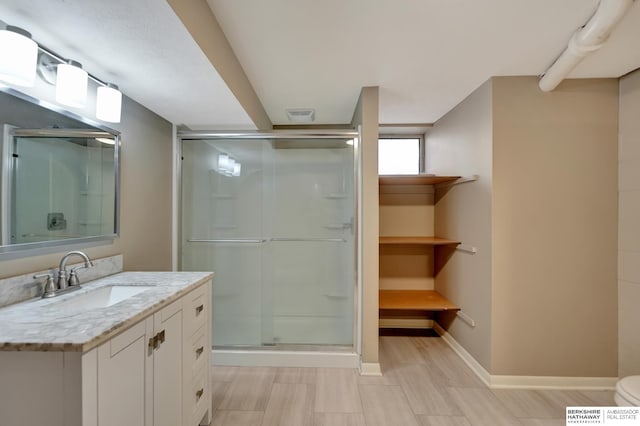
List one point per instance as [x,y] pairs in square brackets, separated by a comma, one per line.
[200,398]
[199,351]
[197,313]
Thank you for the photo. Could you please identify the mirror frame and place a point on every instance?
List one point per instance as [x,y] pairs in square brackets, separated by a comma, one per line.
[27,249]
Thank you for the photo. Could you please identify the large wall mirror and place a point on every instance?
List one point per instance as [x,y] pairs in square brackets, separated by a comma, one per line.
[58,176]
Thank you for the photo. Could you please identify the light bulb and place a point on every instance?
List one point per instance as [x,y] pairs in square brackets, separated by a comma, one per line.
[223,163]
[71,84]
[18,56]
[108,103]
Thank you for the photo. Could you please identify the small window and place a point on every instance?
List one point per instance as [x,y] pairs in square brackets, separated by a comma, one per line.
[399,156]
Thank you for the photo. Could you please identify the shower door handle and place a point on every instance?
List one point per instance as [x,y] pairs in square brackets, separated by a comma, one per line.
[328,240]
[228,241]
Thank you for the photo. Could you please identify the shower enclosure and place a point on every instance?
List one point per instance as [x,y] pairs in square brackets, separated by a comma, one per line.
[274,216]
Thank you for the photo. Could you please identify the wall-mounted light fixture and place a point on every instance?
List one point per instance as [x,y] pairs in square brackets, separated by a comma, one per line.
[71,84]
[109,103]
[228,166]
[106,141]
[19,62]
[18,56]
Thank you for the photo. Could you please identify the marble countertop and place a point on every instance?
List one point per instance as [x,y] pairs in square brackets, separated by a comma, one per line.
[40,325]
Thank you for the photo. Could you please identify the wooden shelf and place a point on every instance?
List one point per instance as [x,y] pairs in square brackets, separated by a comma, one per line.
[415,300]
[431,241]
[415,179]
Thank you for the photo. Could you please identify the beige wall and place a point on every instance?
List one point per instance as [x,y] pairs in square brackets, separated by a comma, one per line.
[543,216]
[460,143]
[145,211]
[629,227]
[366,115]
[406,210]
[554,308]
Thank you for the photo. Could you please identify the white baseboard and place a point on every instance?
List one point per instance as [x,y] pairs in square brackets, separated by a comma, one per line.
[525,382]
[553,382]
[370,369]
[468,359]
[245,358]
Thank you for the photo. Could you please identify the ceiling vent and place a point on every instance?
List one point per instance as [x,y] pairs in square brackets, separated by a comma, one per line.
[301,115]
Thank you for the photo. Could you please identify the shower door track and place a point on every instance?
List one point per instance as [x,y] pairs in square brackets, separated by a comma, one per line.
[282,134]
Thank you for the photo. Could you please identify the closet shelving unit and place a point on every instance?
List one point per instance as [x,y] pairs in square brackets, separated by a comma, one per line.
[413,299]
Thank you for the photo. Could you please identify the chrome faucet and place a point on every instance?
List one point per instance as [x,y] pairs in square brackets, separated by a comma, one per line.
[52,286]
[72,280]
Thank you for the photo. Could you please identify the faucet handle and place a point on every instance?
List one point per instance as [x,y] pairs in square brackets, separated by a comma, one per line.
[73,279]
[49,288]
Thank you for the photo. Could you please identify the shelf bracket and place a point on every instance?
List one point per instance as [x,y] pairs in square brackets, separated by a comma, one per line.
[463,179]
[466,179]
[466,318]
[467,249]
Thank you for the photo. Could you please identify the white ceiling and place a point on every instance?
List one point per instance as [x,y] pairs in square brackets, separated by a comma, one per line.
[139,45]
[425,55]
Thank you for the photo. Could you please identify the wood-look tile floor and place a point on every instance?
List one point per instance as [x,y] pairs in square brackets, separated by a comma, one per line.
[424,383]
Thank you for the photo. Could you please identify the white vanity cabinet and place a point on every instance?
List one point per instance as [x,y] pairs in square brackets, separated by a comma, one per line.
[154,373]
[146,356]
[196,389]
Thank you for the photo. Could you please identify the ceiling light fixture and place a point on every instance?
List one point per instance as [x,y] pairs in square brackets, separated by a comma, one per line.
[18,56]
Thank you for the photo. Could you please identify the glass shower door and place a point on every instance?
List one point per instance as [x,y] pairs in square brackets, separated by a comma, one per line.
[275,221]
[312,246]
[222,231]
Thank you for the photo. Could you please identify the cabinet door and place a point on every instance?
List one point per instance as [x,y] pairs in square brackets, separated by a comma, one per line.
[167,367]
[121,378]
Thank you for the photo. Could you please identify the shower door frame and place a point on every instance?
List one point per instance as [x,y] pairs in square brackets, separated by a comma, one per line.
[355,135]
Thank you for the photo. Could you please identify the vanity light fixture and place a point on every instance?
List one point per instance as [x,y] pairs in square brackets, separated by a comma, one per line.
[19,62]
[223,163]
[228,166]
[108,103]
[71,84]
[18,56]
[106,141]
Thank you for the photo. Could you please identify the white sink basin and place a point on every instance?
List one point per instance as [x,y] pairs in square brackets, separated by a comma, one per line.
[101,297]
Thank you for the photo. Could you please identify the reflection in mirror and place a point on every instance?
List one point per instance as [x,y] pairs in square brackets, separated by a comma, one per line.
[58,180]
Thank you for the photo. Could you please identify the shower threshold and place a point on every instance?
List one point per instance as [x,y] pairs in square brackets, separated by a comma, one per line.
[286,355]
[289,347]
